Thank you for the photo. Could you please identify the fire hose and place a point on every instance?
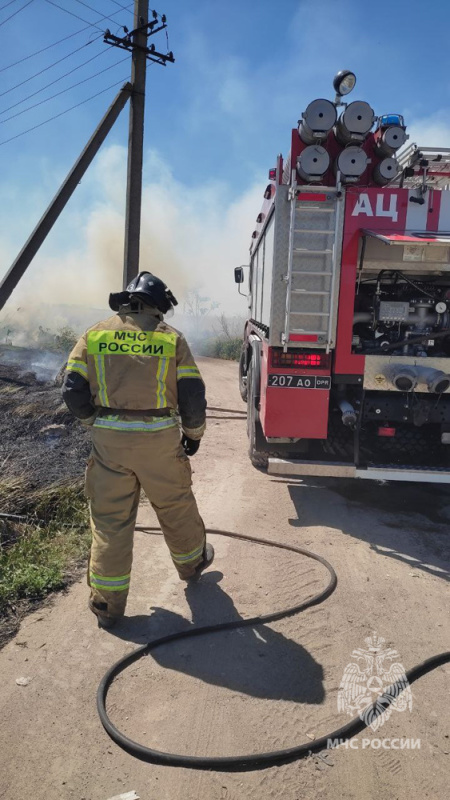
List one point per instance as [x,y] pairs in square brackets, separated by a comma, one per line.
[253,761]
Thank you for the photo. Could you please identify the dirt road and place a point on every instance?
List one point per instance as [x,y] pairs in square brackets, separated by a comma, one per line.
[249,690]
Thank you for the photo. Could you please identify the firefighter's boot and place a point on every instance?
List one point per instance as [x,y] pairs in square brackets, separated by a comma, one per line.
[101,612]
[207,560]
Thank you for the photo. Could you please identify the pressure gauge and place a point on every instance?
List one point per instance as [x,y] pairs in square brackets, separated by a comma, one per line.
[441,307]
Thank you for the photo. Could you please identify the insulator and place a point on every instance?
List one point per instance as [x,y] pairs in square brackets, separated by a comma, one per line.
[312,163]
[354,123]
[390,140]
[317,121]
[351,163]
[385,171]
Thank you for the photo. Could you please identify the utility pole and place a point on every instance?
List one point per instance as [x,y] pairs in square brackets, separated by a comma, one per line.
[136,42]
[136,144]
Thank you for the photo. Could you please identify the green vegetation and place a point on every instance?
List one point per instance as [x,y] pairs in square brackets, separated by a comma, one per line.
[221,347]
[35,556]
[61,341]
[209,334]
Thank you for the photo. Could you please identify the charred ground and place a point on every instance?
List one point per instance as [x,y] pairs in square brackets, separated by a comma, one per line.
[43,453]
[40,442]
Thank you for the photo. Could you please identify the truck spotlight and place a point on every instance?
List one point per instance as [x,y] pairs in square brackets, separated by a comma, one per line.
[312,163]
[390,134]
[344,82]
[390,140]
[386,171]
[354,123]
[317,121]
[351,163]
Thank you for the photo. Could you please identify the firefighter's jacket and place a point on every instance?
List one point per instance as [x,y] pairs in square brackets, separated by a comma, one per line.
[132,372]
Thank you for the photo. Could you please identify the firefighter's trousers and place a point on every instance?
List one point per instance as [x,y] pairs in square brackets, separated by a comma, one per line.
[121,463]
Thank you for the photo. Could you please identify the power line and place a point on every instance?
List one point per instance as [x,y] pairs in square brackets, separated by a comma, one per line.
[56,80]
[15,13]
[121,6]
[82,3]
[8,4]
[45,69]
[72,14]
[49,46]
[67,89]
[50,119]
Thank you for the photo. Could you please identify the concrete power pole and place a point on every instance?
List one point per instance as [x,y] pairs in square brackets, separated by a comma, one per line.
[136,143]
[136,42]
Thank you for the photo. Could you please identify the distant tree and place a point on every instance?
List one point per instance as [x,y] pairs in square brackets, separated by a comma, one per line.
[61,341]
[198,307]
[65,339]
[229,327]
[6,334]
[44,337]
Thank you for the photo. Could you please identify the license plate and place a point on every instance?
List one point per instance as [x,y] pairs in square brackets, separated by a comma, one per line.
[300,381]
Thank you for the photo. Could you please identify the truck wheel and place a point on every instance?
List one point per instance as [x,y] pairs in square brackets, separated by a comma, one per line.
[243,374]
[254,430]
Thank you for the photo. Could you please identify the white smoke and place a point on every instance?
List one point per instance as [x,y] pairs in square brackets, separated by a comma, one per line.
[192,237]
[432,131]
[45,365]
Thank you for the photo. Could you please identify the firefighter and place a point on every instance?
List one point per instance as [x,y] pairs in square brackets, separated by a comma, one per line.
[127,378]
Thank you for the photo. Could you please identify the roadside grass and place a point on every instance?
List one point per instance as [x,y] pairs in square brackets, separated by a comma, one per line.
[37,553]
[219,347]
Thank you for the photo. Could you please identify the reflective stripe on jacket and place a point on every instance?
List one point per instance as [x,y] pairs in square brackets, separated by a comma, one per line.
[134,361]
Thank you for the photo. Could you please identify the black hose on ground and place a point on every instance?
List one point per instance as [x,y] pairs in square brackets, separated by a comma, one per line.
[253,761]
[242,413]
[227,410]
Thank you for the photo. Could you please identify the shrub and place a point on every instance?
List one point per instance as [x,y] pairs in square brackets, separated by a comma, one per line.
[219,347]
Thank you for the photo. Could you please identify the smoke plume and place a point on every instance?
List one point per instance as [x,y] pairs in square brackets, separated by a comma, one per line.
[192,237]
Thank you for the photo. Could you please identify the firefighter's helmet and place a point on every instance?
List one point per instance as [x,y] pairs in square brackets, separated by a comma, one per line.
[148,289]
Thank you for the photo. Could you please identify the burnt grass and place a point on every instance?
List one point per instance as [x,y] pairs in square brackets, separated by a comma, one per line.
[40,441]
[43,453]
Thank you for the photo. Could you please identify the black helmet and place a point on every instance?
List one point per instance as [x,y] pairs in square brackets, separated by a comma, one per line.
[149,290]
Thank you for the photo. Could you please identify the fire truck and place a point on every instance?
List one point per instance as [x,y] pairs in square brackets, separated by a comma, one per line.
[345,364]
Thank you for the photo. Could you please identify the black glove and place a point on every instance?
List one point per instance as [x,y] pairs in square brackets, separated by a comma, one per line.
[190,446]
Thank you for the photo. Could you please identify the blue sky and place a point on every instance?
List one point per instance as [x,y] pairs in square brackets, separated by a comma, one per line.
[215,121]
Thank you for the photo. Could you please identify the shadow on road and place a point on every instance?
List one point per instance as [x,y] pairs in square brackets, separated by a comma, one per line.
[408,522]
[255,661]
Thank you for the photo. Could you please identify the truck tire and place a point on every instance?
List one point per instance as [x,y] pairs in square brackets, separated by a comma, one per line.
[258,457]
[243,373]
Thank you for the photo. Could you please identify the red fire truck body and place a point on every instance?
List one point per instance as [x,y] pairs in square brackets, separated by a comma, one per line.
[345,363]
